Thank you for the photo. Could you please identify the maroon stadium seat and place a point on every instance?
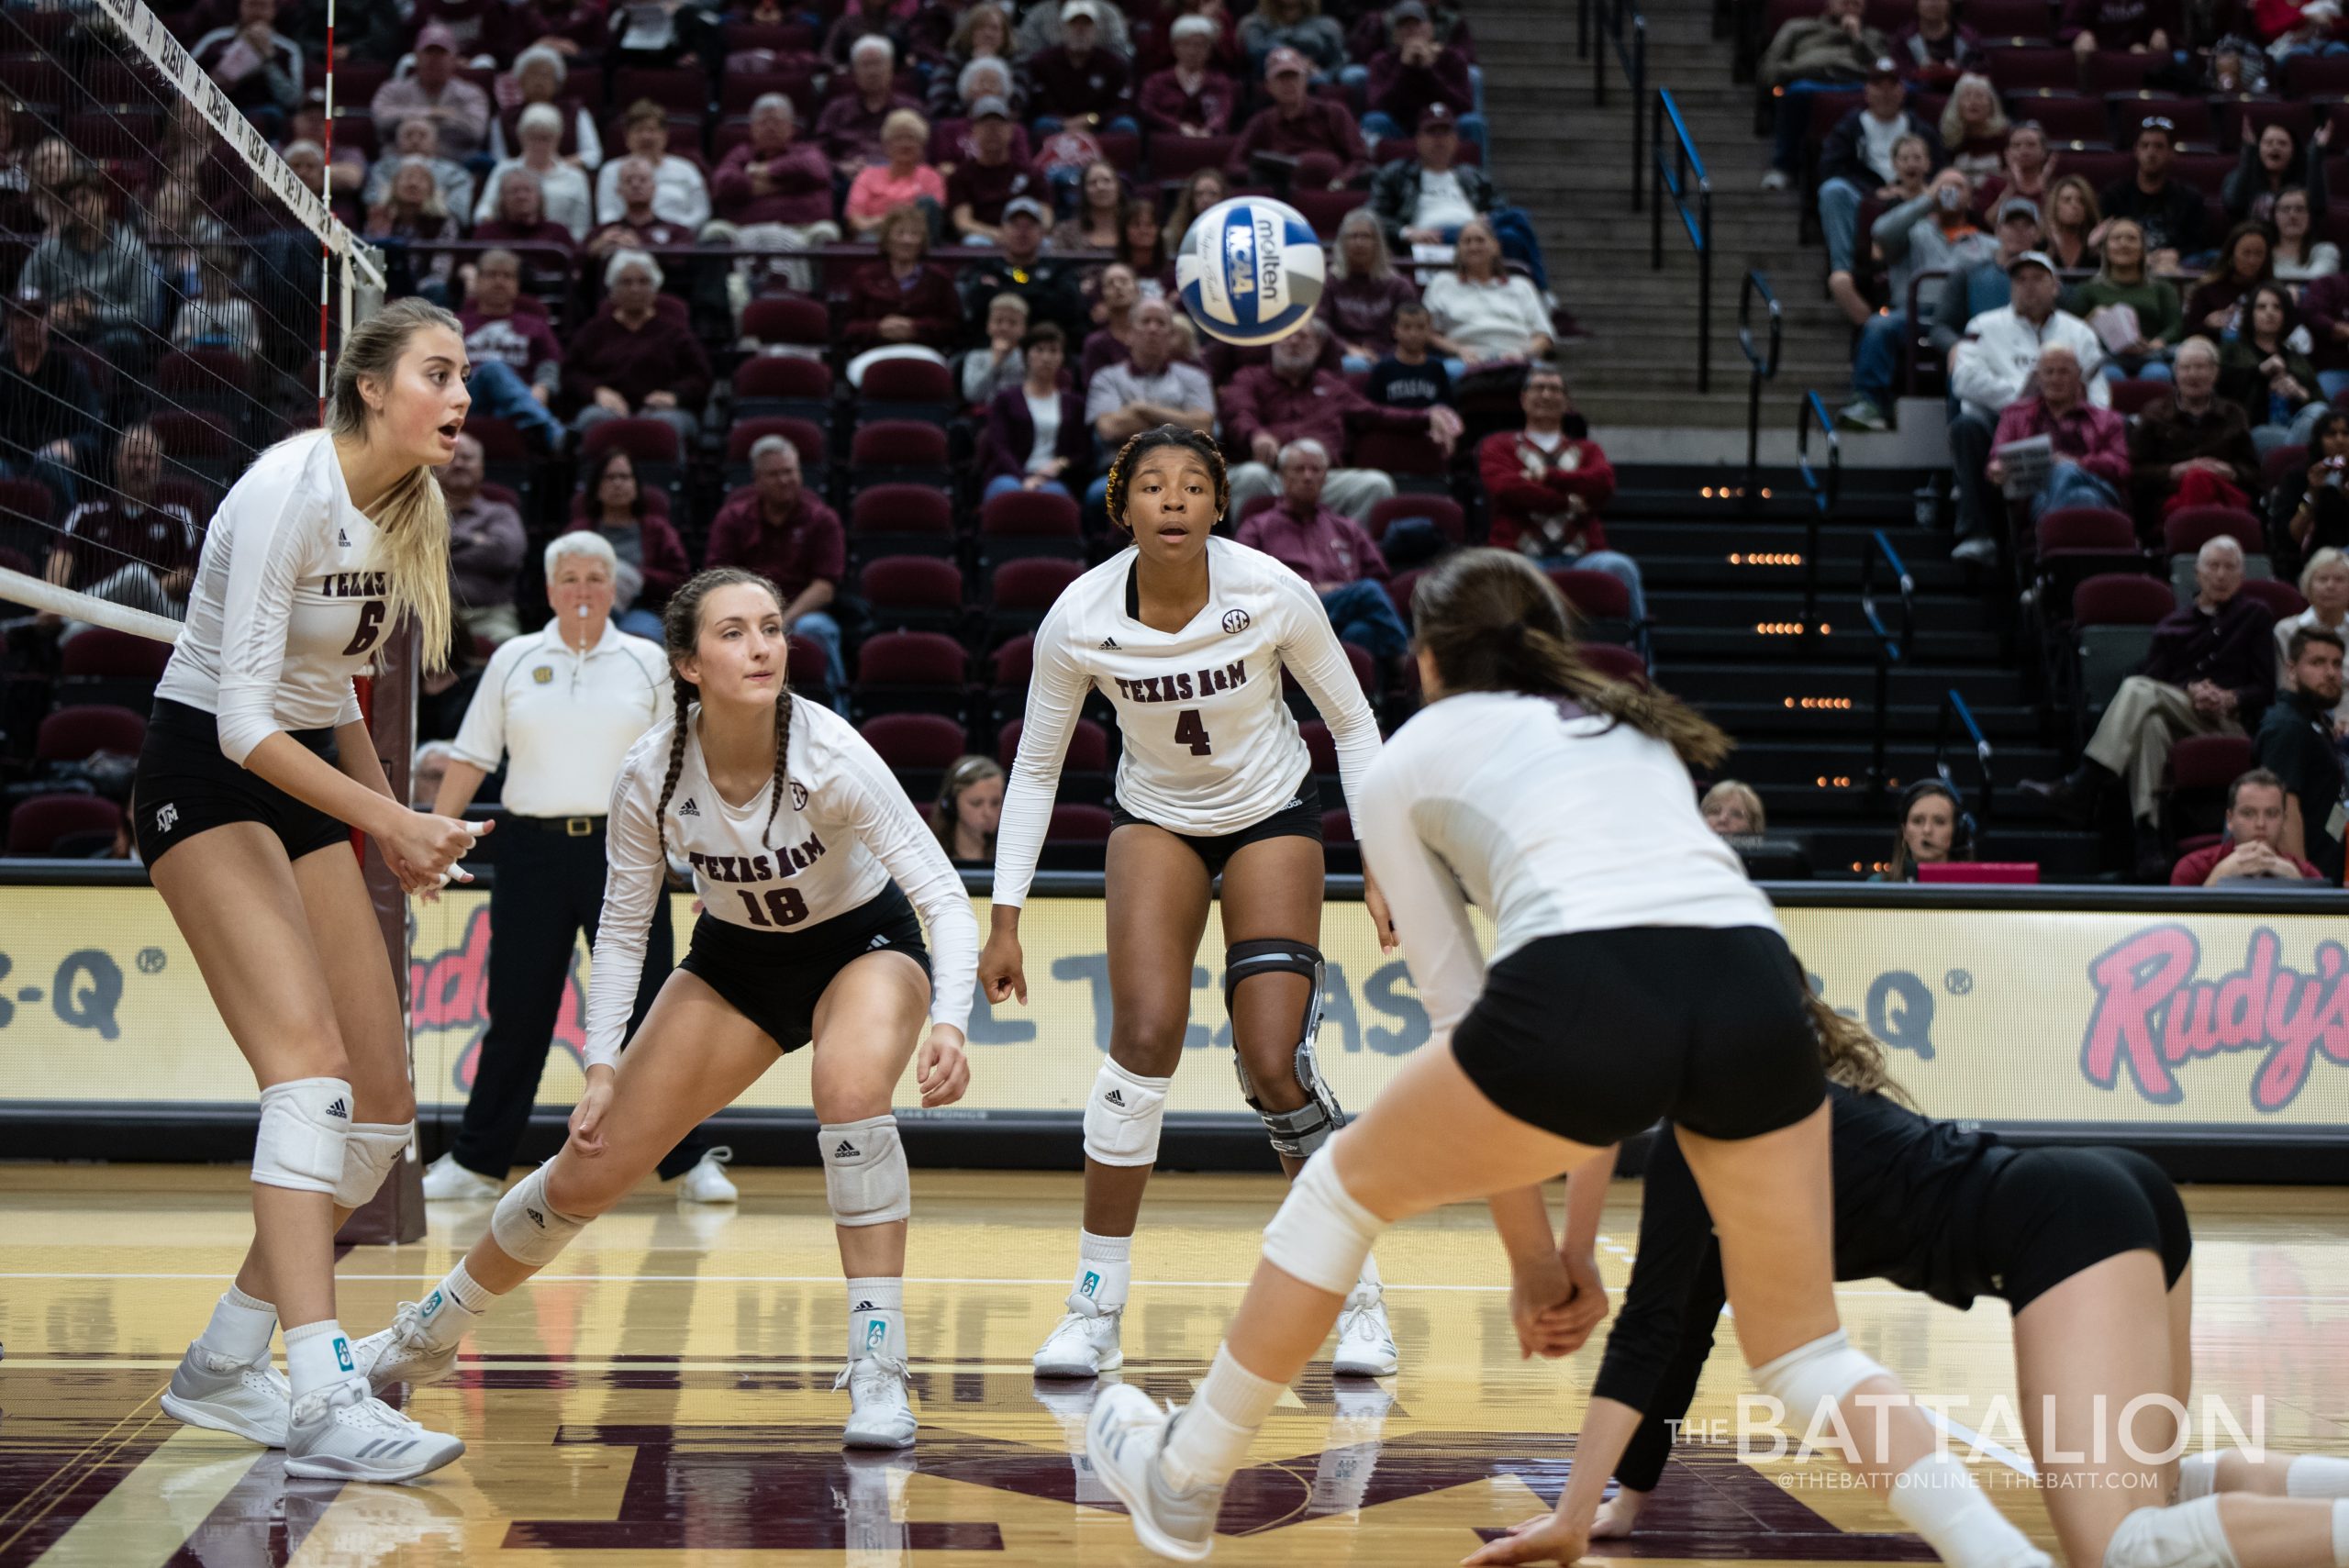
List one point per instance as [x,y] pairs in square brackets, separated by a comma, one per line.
[1012,663]
[766,386]
[1029,522]
[70,734]
[891,451]
[1074,824]
[1088,746]
[1441,510]
[787,318]
[916,739]
[37,824]
[912,593]
[2201,767]
[1337,826]
[2024,70]
[801,433]
[100,652]
[645,441]
[1174,158]
[2187,529]
[900,519]
[1615,663]
[2134,396]
[1319,746]
[2076,543]
[2122,599]
[2282,599]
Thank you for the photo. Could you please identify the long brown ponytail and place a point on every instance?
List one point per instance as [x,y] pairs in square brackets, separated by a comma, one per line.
[412,519]
[680,636]
[1854,1058]
[1494,623]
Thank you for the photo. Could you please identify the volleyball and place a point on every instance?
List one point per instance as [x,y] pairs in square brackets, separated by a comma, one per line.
[1249,270]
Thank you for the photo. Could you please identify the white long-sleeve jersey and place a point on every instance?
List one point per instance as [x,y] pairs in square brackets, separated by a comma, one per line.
[1549,820]
[1209,746]
[285,607]
[843,831]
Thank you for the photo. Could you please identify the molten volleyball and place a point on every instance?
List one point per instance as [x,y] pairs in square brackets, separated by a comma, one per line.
[1249,270]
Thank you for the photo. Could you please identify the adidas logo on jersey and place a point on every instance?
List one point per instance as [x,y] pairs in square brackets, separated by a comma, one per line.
[341,1107]
[847,1150]
[342,537]
[1110,643]
[689,808]
[880,941]
[1114,1097]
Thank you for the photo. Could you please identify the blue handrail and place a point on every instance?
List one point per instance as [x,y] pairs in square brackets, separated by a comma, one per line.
[1679,175]
[1824,492]
[1953,705]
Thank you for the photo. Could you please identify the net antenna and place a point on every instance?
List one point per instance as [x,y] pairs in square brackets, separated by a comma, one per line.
[156,248]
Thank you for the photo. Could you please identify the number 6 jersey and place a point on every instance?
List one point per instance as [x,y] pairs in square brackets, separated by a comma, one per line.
[843,830]
[1209,746]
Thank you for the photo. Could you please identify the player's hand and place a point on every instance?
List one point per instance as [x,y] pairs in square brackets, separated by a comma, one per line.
[1544,1539]
[1587,1310]
[941,1068]
[587,1116]
[1382,918]
[1002,967]
[1540,1292]
[433,845]
[1618,1515]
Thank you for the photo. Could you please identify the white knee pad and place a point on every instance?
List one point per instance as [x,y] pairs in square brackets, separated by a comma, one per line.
[305,1125]
[368,1156]
[527,1228]
[1122,1117]
[1321,1235]
[1821,1371]
[2186,1536]
[865,1171]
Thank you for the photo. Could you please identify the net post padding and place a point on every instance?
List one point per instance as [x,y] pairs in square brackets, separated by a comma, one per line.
[41,594]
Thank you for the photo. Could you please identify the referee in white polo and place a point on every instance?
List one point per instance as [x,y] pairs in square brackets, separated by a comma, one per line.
[564,705]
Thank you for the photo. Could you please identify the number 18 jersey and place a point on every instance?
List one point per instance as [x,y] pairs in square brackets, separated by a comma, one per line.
[1210,747]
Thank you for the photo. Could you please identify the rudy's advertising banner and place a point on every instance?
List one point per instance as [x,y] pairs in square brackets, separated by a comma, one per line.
[2011,1016]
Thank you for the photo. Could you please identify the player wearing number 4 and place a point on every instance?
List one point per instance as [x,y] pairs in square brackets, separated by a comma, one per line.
[256,767]
[800,839]
[1186,635]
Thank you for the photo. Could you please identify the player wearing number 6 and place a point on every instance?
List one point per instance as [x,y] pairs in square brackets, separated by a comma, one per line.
[1186,635]
[800,839]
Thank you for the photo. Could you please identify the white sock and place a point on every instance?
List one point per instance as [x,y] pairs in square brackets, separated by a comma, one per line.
[452,1309]
[2316,1476]
[2341,1534]
[876,1318]
[1937,1498]
[1212,1436]
[1105,1270]
[1368,1287]
[240,1329]
[317,1356]
[2198,1476]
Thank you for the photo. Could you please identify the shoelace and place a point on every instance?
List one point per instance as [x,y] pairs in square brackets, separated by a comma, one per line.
[875,1370]
[1357,1322]
[721,1155]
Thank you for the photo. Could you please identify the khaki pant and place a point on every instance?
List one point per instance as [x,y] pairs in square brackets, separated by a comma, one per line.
[1350,491]
[2146,718]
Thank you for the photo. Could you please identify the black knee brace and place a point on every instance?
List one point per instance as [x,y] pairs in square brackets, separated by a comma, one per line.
[1299,1132]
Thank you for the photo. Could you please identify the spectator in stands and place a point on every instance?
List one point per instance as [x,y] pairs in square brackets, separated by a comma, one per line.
[2131,25]
[410,217]
[1411,377]
[2298,256]
[776,529]
[2192,448]
[861,20]
[538,77]
[307,158]
[2073,223]
[1039,30]
[458,108]
[2303,28]
[2088,446]
[1297,25]
[1928,834]
[1825,53]
[652,560]
[631,361]
[1413,72]
[1933,49]
[774,193]
[900,306]
[1151,388]
[1267,406]
[2237,67]
[1141,246]
[2027,167]
[1116,292]
[99,280]
[218,315]
[1078,83]
[1098,220]
[2262,370]
[1546,487]
[258,67]
[2211,667]
[968,809]
[1858,159]
[48,415]
[903,181]
[639,225]
[1036,437]
[680,194]
[1973,127]
[981,32]
[1363,292]
[2309,517]
[997,364]
[2242,262]
[2253,848]
[849,126]
[2325,583]
[127,545]
[1297,126]
[419,137]
[1202,190]
[562,189]
[2271,163]
[950,140]
[1732,808]
[577,29]
[486,548]
[1483,313]
[2170,210]
[2300,741]
[516,363]
[2153,322]
[1426,199]
[1049,285]
[991,177]
[1331,551]
[1991,369]
[1932,233]
[1190,97]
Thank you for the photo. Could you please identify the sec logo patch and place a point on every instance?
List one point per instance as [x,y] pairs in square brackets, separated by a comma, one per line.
[1235,620]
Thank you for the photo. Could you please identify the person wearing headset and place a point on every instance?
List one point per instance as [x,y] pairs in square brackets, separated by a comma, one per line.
[1935,829]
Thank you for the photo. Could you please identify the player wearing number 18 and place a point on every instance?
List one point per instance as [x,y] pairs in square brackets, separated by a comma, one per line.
[1186,635]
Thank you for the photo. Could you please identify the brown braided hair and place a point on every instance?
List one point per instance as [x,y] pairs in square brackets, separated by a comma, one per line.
[680,637]
[1494,623]
[1854,1058]
[1141,443]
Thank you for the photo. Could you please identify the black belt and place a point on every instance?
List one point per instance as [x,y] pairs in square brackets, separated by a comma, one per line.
[569,827]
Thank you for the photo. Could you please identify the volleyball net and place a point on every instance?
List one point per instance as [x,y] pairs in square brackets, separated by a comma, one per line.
[173,286]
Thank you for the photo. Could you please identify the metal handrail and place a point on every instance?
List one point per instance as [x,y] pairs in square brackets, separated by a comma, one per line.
[1890,650]
[1620,22]
[1824,493]
[1677,175]
[1761,367]
[1954,706]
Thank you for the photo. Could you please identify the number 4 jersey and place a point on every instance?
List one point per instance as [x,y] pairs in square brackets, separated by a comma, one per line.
[843,830]
[286,605]
[1210,747]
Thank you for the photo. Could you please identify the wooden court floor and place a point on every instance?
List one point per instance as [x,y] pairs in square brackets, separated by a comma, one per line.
[665,1395]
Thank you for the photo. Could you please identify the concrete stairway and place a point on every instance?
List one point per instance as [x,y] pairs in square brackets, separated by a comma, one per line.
[1569,162]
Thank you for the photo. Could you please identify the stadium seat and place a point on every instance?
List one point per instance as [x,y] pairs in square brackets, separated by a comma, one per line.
[1029,522]
[200,441]
[2282,599]
[1019,593]
[913,593]
[1399,588]
[1077,824]
[1412,460]
[680,90]
[72,734]
[2076,543]
[807,436]
[2026,70]
[899,452]
[810,672]
[42,825]
[1084,766]
[1614,661]
[103,668]
[1325,210]
[2067,120]
[1601,603]
[2187,529]
[790,385]
[1173,158]
[2134,396]
[1337,826]
[2020,23]
[1442,510]
[2299,119]
[900,519]
[918,748]
[777,319]
[737,89]
[646,441]
[917,390]
[1320,747]
[900,672]
[2113,619]
[2201,769]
